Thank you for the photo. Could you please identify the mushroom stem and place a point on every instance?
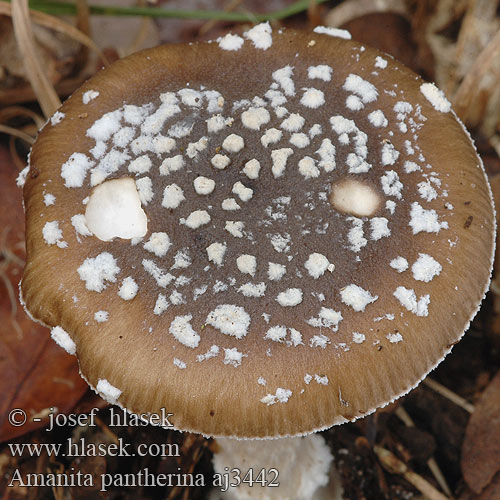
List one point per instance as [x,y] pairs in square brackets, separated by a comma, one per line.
[295,468]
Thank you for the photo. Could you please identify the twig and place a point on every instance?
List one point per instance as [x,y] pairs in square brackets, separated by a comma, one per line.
[57,491]
[230,7]
[495,142]
[8,258]
[313,13]
[141,34]
[346,11]
[19,162]
[445,392]
[82,23]
[16,111]
[391,463]
[5,129]
[25,93]
[44,90]
[431,463]
[12,298]
[83,17]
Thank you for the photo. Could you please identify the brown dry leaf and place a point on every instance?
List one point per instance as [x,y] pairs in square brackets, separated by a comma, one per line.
[54,51]
[57,45]
[35,373]
[479,91]
[492,491]
[480,450]
[57,26]
[11,60]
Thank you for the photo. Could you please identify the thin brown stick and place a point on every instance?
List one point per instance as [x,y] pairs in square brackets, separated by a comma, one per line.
[13,302]
[141,34]
[12,257]
[8,258]
[230,7]
[44,90]
[391,463]
[26,94]
[83,17]
[19,162]
[445,392]
[7,114]
[82,23]
[495,142]
[346,11]
[10,292]
[431,463]
[313,13]
[5,129]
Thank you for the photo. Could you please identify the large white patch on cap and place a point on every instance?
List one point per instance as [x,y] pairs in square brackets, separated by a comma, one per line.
[114,211]
[355,198]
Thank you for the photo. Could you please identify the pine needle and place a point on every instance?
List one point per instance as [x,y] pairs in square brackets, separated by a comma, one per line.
[445,392]
[5,129]
[395,466]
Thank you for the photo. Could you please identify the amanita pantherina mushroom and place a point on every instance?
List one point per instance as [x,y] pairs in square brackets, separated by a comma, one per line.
[267,235]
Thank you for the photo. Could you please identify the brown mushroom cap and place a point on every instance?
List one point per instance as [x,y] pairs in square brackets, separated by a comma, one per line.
[258,304]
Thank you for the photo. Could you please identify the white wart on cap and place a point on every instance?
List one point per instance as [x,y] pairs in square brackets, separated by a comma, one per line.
[307,235]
